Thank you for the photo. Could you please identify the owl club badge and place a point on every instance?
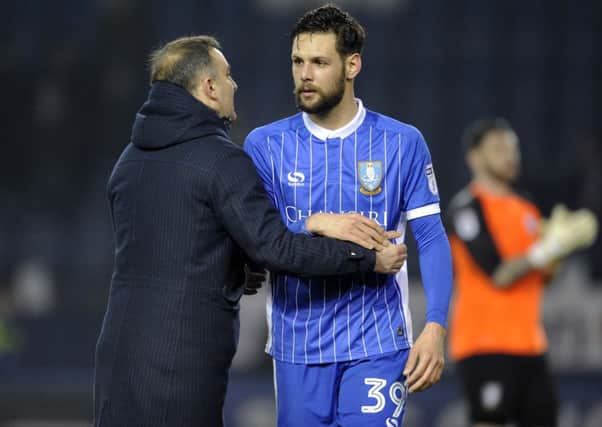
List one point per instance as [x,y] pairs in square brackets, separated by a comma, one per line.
[370,175]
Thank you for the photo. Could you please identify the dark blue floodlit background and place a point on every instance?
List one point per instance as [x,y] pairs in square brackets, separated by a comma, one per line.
[73,73]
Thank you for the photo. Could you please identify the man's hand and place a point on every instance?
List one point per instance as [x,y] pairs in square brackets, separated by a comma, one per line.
[254,278]
[426,361]
[391,258]
[351,227]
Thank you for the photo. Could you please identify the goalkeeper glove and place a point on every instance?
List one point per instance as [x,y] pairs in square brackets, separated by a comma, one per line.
[564,233]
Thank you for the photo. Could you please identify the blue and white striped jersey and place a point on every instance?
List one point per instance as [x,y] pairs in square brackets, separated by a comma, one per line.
[375,166]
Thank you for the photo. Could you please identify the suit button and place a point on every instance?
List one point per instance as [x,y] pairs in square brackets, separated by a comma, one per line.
[352,253]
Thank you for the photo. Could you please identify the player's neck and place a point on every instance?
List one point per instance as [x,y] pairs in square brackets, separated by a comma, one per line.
[338,116]
[492,185]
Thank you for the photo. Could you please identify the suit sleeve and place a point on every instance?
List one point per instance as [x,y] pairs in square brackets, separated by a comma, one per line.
[251,220]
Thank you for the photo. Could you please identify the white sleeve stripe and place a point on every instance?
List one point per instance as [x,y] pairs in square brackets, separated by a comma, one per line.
[423,211]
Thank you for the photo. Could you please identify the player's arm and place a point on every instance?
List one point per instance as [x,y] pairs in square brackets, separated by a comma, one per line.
[564,233]
[421,205]
[510,271]
[351,227]
[426,361]
[251,220]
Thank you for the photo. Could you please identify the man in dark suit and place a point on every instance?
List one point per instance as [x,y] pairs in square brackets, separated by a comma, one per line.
[186,203]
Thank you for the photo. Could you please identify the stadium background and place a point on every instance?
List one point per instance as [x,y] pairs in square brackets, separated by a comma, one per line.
[73,75]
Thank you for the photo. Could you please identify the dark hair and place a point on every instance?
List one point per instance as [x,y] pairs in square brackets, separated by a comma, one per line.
[477,130]
[180,61]
[329,18]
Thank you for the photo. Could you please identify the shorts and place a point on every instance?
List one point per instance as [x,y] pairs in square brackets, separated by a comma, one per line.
[356,393]
[507,388]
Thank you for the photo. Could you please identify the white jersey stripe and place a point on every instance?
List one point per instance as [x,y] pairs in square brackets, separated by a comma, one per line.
[295,319]
[423,211]
[349,319]
[334,325]
[355,210]
[401,282]
[385,169]
[399,202]
[268,316]
[307,321]
[281,166]
[296,163]
[389,317]
[309,284]
[320,320]
[282,314]
[326,177]
[273,168]
[376,330]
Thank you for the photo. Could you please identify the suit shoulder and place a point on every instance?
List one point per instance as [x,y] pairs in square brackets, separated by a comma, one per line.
[210,150]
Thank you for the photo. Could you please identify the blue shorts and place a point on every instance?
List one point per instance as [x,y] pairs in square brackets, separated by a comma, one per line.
[356,393]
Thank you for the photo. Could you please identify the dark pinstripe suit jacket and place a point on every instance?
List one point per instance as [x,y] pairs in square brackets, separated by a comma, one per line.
[185,204]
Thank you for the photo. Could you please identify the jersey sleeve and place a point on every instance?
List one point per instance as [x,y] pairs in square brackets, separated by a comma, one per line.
[258,149]
[466,222]
[435,266]
[421,195]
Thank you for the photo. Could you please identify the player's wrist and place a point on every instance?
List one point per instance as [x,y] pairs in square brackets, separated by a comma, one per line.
[543,253]
[438,327]
[314,224]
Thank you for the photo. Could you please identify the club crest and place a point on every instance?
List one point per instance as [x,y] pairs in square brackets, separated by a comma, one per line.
[371,175]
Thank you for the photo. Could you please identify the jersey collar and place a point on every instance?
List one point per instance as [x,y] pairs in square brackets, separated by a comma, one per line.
[342,132]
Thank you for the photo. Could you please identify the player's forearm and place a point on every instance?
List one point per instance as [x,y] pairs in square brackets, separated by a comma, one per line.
[510,271]
[434,256]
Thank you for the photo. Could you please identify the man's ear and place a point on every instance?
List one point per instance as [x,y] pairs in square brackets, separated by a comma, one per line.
[205,90]
[353,65]
[207,86]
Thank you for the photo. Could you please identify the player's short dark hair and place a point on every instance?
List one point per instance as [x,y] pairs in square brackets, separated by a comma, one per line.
[331,19]
[180,61]
[476,132]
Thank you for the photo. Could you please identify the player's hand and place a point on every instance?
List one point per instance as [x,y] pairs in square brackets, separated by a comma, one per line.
[564,233]
[390,259]
[351,227]
[426,360]
[254,278]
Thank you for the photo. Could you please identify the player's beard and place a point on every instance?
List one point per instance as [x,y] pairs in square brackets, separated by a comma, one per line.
[326,101]
[506,175]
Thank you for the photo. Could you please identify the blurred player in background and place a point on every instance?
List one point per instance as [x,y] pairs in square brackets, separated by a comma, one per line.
[341,346]
[504,255]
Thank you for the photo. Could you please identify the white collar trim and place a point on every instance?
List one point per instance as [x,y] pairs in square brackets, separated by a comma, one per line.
[342,132]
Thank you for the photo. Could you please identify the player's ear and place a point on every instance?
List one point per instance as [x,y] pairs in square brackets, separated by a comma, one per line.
[472,159]
[353,65]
